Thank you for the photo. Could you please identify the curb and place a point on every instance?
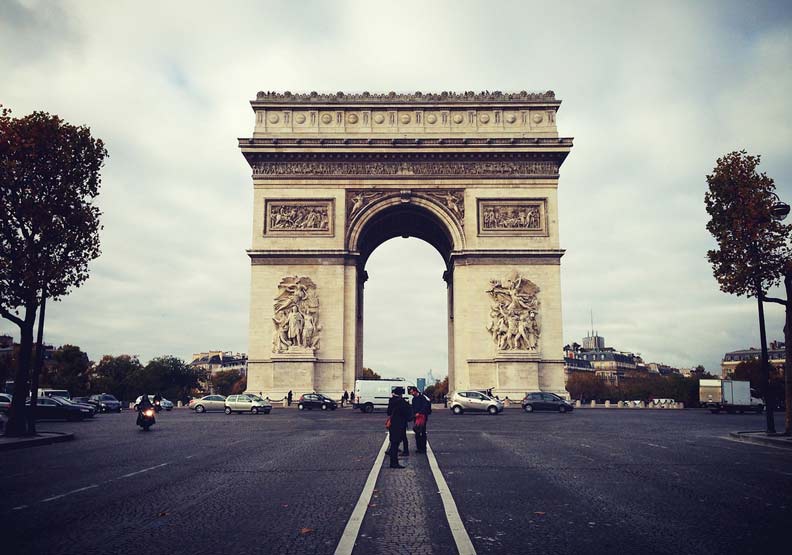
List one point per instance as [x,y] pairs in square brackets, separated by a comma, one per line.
[760,438]
[25,442]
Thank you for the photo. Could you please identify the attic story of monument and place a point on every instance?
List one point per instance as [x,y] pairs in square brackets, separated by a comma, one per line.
[473,174]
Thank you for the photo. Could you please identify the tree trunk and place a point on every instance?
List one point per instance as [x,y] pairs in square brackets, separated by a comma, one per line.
[768,391]
[788,349]
[17,419]
[34,378]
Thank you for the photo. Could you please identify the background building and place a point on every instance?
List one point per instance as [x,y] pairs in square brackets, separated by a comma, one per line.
[221,361]
[775,351]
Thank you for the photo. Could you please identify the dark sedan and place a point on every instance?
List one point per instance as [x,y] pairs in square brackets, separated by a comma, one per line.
[540,400]
[106,402]
[316,401]
[54,408]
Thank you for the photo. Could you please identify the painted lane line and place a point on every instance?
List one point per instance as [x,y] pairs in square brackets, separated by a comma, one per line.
[19,508]
[461,537]
[142,471]
[62,495]
[347,542]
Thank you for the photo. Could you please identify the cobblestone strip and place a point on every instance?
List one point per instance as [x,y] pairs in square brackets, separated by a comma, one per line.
[347,542]
[406,514]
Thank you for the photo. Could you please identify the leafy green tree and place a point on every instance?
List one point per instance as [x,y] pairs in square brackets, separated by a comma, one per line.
[168,375]
[437,391]
[49,227]
[223,382]
[753,250]
[112,374]
[369,374]
[70,370]
[586,386]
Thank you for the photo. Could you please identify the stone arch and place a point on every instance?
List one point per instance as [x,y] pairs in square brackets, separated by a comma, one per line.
[402,214]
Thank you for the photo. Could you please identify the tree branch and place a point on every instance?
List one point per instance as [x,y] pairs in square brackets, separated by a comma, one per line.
[8,316]
[775,300]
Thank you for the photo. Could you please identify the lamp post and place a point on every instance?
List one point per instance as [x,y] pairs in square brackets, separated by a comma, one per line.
[778,211]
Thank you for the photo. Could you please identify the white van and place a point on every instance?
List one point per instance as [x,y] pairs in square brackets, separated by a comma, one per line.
[374,394]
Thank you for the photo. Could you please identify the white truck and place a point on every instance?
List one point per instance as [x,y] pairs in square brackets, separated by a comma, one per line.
[728,395]
[374,394]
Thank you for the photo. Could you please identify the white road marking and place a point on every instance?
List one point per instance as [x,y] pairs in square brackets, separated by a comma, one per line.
[19,508]
[189,456]
[655,445]
[143,470]
[62,495]
[347,542]
[461,537]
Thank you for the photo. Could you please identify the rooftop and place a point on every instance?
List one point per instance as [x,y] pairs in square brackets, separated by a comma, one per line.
[393,97]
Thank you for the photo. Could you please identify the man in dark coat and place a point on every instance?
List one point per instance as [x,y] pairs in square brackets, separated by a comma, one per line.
[289,398]
[400,414]
[421,409]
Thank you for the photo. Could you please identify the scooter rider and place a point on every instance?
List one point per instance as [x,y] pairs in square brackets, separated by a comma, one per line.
[144,404]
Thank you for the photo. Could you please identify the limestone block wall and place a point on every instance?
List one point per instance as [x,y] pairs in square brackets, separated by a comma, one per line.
[476,355]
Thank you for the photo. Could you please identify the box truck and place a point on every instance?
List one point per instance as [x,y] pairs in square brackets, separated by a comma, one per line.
[374,394]
[728,395]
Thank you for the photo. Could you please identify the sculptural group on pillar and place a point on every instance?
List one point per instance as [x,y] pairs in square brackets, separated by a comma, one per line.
[296,308]
[515,322]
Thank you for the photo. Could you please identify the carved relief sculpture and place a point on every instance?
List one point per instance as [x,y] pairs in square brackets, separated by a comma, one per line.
[299,217]
[515,321]
[512,217]
[453,200]
[296,313]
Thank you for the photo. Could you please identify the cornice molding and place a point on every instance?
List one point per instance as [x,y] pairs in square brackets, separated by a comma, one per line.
[393,97]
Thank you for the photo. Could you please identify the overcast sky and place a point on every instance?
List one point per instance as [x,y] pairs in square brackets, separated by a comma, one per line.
[652,93]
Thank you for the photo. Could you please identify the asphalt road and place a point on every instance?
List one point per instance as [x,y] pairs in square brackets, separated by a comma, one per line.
[591,481]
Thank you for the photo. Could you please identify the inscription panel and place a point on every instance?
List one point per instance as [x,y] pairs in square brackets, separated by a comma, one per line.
[510,217]
[295,218]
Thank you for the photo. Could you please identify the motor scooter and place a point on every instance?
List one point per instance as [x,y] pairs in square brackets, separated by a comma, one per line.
[146,419]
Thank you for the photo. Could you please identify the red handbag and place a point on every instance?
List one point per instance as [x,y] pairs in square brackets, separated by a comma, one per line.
[420,419]
[388,423]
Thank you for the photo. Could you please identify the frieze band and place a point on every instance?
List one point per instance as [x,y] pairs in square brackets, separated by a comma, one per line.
[499,168]
[452,200]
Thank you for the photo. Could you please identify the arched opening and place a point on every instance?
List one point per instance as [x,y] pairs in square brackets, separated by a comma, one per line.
[405,320]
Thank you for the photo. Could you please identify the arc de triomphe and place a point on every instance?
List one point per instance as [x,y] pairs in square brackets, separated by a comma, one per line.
[474,175]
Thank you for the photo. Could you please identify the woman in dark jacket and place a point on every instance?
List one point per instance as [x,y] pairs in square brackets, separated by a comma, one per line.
[400,414]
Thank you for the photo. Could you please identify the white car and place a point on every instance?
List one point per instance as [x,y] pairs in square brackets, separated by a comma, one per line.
[208,403]
[247,403]
[5,402]
[167,405]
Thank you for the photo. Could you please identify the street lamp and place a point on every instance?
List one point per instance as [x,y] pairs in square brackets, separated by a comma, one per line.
[778,211]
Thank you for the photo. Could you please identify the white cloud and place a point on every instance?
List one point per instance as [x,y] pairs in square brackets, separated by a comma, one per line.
[652,93]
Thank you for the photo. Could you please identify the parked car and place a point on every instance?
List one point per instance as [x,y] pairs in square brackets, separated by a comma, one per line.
[55,408]
[247,403]
[208,403]
[106,402]
[54,393]
[91,408]
[316,401]
[164,403]
[474,401]
[540,400]
[5,402]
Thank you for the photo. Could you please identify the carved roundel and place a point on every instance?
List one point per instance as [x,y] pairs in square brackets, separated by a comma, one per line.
[458,118]
[273,118]
[352,118]
[404,118]
[299,118]
[484,118]
[379,118]
[327,118]
[511,118]
[431,118]
[537,117]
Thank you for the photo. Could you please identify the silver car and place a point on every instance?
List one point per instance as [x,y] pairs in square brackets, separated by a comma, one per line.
[208,403]
[247,403]
[475,401]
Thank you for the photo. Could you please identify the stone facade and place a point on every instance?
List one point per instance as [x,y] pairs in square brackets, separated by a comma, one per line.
[475,175]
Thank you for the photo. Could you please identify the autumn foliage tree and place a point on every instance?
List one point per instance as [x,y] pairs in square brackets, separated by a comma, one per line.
[49,226]
[753,251]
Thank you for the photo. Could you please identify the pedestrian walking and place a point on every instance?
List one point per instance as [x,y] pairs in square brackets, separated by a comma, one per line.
[344,398]
[289,397]
[399,414]
[422,408]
